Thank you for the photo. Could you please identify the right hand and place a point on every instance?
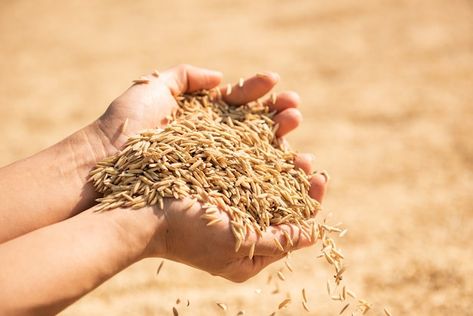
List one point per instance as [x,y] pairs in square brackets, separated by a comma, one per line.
[184,237]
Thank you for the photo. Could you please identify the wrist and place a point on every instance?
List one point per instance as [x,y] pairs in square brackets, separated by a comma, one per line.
[142,231]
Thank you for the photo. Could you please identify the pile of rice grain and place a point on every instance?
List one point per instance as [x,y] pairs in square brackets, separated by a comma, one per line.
[227,157]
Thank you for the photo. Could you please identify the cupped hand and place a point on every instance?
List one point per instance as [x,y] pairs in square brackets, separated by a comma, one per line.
[184,236]
[148,104]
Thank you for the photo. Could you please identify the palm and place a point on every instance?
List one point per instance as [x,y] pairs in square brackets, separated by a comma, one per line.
[142,106]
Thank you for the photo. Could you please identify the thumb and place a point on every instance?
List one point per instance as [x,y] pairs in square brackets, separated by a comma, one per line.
[187,78]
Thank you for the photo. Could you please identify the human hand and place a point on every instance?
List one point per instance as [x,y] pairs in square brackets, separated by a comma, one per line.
[147,105]
[183,236]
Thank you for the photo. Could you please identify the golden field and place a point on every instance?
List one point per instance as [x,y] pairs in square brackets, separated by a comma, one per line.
[387,98]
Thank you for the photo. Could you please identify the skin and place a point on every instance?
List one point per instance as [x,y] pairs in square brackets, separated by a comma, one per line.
[54,248]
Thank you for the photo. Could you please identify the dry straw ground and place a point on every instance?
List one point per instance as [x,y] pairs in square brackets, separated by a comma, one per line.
[387,90]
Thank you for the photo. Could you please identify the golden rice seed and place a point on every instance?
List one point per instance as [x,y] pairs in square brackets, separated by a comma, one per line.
[188,204]
[252,251]
[387,312]
[272,314]
[238,243]
[344,309]
[273,98]
[229,89]
[366,307]
[213,222]
[288,266]
[188,303]
[284,303]
[304,304]
[140,81]
[328,258]
[289,241]
[124,126]
[281,276]
[329,290]
[336,298]
[240,313]
[160,267]
[278,244]
[304,295]
[338,253]
[343,233]
[344,293]
[241,82]
[156,73]
[351,294]
[222,306]
[174,311]
[178,300]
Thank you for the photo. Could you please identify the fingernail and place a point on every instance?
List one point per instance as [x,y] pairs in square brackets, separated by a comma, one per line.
[268,74]
[215,73]
[325,175]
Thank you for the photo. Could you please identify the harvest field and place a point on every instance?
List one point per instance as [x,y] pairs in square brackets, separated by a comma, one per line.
[387,98]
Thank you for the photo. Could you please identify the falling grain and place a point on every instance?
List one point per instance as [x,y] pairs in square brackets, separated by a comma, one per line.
[387,312]
[329,291]
[140,81]
[222,306]
[344,309]
[304,295]
[284,303]
[351,294]
[160,267]
[304,304]
[288,266]
[281,276]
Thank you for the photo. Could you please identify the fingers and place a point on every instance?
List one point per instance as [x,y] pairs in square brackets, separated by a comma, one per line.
[318,185]
[280,239]
[288,120]
[253,88]
[284,100]
[245,268]
[318,181]
[187,78]
[304,161]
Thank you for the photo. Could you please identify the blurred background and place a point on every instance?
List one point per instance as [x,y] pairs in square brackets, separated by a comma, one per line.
[387,96]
